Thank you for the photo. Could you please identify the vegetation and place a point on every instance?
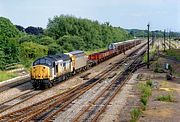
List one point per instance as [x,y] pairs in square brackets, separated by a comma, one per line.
[156,33]
[9,47]
[166,98]
[135,113]
[87,34]
[6,76]
[157,67]
[63,34]
[174,53]
[34,30]
[146,91]
[31,51]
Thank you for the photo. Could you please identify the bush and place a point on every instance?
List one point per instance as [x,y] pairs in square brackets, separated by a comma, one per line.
[144,100]
[149,83]
[166,98]
[145,90]
[135,113]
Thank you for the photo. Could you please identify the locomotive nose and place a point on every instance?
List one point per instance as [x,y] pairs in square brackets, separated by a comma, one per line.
[40,72]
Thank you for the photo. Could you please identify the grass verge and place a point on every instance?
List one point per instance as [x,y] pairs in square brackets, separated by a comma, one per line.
[5,76]
[146,91]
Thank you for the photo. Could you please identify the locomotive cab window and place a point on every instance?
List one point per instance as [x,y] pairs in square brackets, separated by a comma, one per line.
[48,62]
[36,63]
[42,61]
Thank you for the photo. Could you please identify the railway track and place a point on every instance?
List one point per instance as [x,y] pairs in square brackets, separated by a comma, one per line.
[58,102]
[50,103]
[100,101]
[96,107]
[18,100]
[14,84]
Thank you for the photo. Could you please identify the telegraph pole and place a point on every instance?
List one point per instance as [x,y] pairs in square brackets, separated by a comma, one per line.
[169,40]
[148,49]
[164,39]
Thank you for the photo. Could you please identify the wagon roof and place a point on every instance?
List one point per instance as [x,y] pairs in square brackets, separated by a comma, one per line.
[76,52]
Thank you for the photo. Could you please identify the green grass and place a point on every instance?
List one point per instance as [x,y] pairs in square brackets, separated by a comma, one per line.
[5,76]
[166,98]
[135,113]
[174,53]
[146,91]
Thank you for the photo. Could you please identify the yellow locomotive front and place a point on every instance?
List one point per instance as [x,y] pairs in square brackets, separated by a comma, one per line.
[40,72]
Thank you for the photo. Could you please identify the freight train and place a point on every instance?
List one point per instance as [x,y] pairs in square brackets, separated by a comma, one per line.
[49,69]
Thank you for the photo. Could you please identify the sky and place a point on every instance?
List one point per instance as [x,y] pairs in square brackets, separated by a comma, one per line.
[161,14]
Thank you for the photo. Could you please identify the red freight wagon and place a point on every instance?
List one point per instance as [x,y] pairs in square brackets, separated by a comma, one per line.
[101,56]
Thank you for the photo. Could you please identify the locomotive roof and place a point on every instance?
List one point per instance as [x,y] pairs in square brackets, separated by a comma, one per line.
[49,60]
[58,57]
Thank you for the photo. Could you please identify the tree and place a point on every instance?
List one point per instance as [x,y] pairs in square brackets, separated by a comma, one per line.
[20,28]
[31,51]
[9,47]
[34,30]
[7,29]
[27,38]
[91,34]
[46,40]
[12,51]
[70,43]
[2,60]
[54,49]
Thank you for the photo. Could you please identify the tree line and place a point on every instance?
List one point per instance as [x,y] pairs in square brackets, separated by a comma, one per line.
[63,34]
[156,33]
